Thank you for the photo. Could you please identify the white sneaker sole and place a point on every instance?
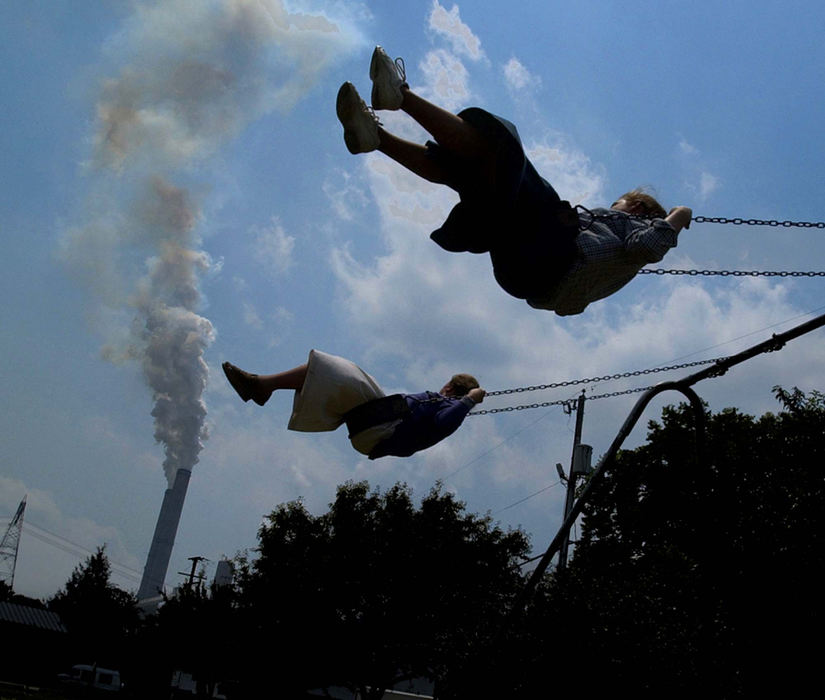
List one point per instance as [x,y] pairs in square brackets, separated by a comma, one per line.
[386,84]
[360,133]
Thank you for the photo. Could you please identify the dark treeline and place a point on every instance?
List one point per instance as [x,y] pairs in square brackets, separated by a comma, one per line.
[690,579]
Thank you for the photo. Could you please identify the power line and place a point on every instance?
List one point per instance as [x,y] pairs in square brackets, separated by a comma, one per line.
[495,447]
[817,310]
[527,498]
[77,550]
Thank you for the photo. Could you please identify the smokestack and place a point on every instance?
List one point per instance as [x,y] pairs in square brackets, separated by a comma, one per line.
[187,79]
[154,573]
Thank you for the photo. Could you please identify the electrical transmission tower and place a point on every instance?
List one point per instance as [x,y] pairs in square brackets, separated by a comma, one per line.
[9,545]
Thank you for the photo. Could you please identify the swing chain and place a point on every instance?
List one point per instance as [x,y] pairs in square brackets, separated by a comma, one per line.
[734,273]
[757,222]
[560,402]
[607,377]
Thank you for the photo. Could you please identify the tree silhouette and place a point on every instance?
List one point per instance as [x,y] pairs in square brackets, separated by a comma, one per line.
[698,579]
[99,616]
[375,591]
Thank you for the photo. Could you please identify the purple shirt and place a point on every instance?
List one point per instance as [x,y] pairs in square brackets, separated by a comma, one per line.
[432,418]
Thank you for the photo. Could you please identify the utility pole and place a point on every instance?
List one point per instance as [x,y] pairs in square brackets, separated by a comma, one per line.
[579,464]
[192,575]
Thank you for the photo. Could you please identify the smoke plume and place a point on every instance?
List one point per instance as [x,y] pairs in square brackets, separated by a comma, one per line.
[185,78]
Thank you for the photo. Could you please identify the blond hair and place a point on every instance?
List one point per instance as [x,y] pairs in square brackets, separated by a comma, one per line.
[651,207]
[462,383]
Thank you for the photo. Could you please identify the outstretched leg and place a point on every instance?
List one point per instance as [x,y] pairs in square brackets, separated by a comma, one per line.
[413,156]
[391,91]
[259,387]
[363,132]
[447,129]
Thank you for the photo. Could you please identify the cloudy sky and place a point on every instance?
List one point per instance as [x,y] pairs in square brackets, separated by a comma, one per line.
[176,192]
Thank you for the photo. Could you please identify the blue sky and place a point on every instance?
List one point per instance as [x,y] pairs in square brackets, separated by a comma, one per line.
[188,153]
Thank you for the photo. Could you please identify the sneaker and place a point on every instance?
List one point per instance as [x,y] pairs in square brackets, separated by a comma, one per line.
[360,123]
[387,78]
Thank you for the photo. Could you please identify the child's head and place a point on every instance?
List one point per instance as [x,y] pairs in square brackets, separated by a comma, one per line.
[460,384]
[642,204]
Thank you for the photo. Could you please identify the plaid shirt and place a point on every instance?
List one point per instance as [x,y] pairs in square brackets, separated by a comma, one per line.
[612,248]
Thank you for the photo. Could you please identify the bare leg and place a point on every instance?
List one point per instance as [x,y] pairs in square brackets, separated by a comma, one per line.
[448,129]
[291,379]
[412,156]
[450,132]
[469,153]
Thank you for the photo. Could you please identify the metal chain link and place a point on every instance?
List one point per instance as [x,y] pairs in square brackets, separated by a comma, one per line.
[659,271]
[744,273]
[607,377]
[560,402]
[757,222]
[733,273]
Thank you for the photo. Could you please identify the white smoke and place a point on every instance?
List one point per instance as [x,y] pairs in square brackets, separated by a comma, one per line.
[189,76]
[174,336]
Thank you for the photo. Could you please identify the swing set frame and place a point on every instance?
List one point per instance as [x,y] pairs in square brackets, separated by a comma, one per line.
[774,343]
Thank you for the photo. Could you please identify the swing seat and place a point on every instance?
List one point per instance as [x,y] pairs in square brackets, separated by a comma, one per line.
[376,412]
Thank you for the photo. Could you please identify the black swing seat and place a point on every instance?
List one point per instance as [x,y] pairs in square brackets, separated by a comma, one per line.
[376,412]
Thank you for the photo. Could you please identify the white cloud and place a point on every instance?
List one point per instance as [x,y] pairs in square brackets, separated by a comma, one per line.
[345,195]
[573,175]
[272,247]
[687,148]
[698,178]
[518,77]
[708,184]
[282,465]
[280,321]
[448,24]
[445,79]
[251,317]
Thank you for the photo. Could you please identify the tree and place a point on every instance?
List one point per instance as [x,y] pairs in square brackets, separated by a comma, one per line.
[375,591]
[700,578]
[198,631]
[98,615]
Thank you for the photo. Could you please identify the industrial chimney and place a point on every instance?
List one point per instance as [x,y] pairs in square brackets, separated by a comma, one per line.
[154,573]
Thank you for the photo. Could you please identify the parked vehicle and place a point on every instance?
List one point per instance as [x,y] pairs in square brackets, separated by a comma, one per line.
[92,676]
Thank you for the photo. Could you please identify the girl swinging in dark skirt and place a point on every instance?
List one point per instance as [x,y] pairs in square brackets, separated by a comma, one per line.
[542,250]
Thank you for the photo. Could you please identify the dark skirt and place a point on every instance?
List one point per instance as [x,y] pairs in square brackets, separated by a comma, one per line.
[507,210]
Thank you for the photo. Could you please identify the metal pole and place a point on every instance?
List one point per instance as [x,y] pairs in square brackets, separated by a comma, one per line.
[776,342]
[604,464]
[571,480]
